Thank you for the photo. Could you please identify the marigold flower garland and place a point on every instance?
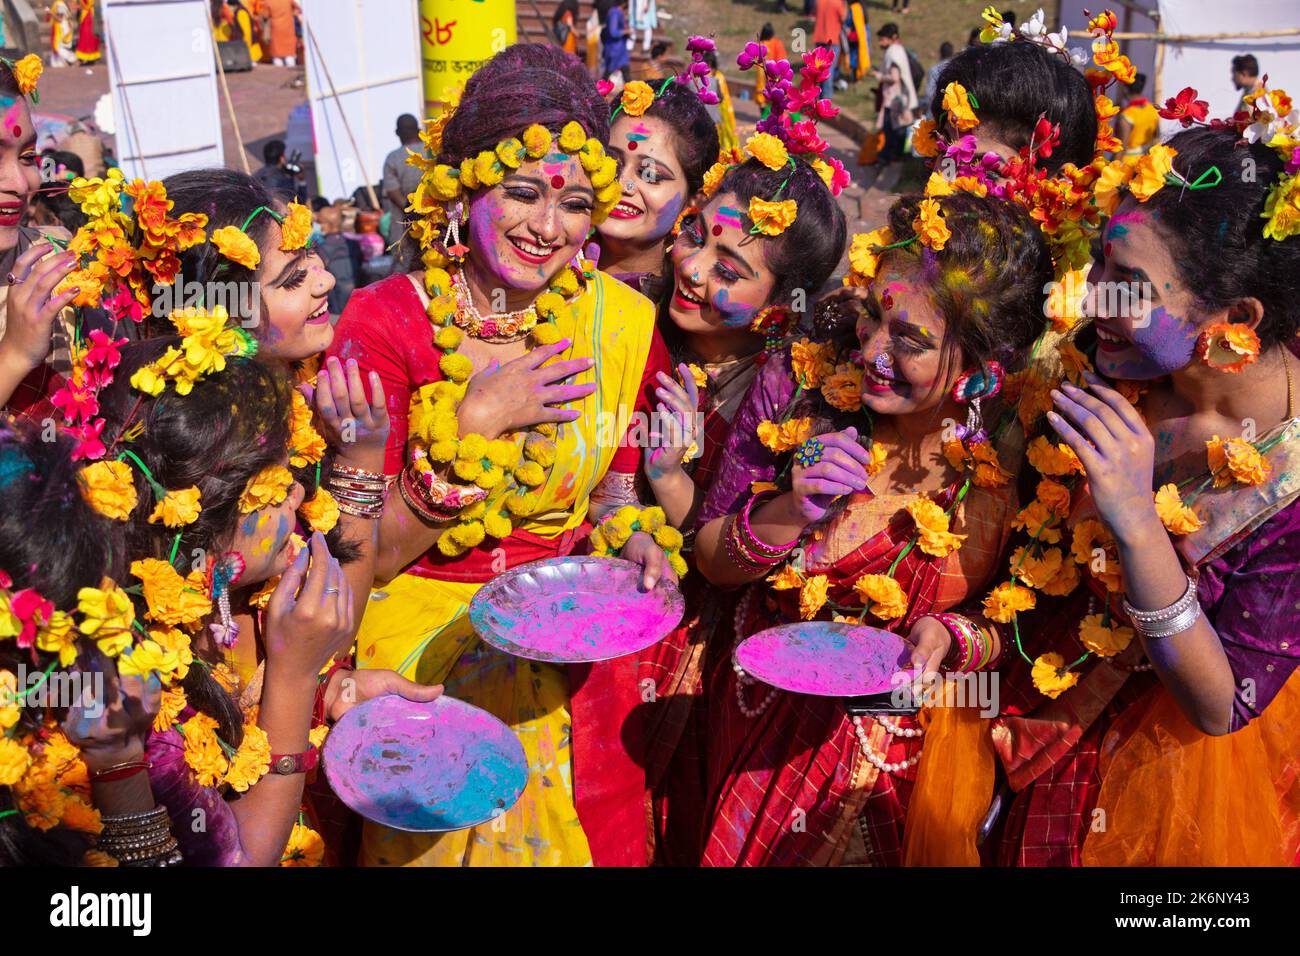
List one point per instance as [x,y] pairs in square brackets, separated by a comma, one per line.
[612,533]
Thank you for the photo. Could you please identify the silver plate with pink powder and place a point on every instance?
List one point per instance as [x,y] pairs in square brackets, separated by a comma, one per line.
[825,658]
[574,609]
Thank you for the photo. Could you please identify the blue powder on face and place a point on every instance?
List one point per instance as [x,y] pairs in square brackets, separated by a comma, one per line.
[13,465]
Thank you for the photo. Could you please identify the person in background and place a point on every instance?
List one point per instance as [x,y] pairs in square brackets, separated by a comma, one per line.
[895,8]
[400,180]
[1245,77]
[61,34]
[932,75]
[898,95]
[563,22]
[617,64]
[856,45]
[279,176]
[644,20]
[656,69]
[1138,123]
[827,26]
[342,256]
[87,38]
[283,49]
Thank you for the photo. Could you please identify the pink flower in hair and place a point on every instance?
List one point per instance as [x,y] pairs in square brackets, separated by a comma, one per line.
[804,138]
[89,446]
[122,304]
[77,402]
[962,151]
[32,611]
[747,57]
[101,358]
[839,175]
[604,87]
[817,64]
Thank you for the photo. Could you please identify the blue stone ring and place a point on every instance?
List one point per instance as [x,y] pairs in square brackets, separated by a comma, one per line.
[810,452]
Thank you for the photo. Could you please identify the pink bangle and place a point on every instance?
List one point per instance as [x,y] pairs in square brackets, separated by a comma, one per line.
[756,543]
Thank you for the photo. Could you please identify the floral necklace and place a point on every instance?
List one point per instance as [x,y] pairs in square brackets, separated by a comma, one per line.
[508,471]
[499,328]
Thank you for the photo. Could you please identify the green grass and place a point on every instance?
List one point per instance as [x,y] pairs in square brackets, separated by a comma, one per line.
[733,23]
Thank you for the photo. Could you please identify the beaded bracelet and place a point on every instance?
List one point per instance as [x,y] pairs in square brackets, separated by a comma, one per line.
[1167,621]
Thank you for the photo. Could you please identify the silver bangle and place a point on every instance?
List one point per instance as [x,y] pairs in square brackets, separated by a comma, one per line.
[1167,621]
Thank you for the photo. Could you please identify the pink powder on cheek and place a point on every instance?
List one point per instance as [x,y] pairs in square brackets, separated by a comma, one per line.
[486,238]
[12,120]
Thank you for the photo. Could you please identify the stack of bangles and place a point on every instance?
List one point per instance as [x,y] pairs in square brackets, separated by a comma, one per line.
[975,650]
[140,839]
[358,492]
[745,549]
[435,500]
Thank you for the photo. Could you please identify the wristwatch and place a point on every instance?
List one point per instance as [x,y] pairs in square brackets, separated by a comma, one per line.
[295,763]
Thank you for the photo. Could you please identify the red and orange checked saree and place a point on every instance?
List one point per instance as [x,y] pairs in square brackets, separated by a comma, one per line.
[791,786]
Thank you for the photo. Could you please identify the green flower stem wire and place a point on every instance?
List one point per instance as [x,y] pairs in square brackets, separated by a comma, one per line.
[22,694]
[1176,179]
[253,215]
[660,93]
[158,489]
[8,813]
[755,229]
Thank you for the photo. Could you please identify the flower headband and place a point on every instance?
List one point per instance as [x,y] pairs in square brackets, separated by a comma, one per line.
[237,246]
[27,72]
[638,97]
[865,252]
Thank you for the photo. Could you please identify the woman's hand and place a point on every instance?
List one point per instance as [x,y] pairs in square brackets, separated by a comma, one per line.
[1116,450]
[931,641]
[32,306]
[111,720]
[507,398]
[356,427]
[841,471]
[309,617]
[674,430]
[641,549]
[347,688]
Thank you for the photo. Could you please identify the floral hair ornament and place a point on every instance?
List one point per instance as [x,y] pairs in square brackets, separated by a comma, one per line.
[207,340]
[638,96]
[27,73]
[1228,346]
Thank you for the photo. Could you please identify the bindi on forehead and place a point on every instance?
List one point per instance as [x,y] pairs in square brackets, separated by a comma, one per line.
[638,136]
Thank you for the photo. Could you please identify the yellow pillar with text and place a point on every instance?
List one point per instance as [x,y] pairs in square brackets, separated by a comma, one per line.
[456,37]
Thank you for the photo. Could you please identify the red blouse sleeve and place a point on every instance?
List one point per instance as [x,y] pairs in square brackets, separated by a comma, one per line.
[627,460]
[384,327]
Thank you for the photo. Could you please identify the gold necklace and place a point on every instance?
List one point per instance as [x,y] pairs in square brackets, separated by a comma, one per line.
[497,328]
[1290,399]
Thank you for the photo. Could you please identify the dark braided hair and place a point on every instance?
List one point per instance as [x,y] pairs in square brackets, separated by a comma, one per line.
[1217,236]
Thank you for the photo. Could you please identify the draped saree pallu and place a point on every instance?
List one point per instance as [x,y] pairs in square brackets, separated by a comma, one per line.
[584,801]
[791,785]
[1112,773]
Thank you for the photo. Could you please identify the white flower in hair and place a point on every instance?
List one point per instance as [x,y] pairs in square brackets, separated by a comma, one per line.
[1035,26]
[1057,40]
[1079,57]
[1004,32]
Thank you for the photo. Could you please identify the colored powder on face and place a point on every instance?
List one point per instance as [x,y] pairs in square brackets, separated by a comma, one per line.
[642,131]
[668,215]
[729,216]
[488,244]
[1164,345]
[13,465]
[735,314]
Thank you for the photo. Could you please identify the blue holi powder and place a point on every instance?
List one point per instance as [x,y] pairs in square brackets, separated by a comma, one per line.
[1118,231]
[13,465]
[735,315]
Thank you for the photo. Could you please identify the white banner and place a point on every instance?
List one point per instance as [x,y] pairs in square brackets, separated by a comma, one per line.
[363,65]
[162,77]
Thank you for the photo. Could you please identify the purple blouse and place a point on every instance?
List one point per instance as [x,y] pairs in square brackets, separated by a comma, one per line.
[745,458]
[1251,594]
[202,821]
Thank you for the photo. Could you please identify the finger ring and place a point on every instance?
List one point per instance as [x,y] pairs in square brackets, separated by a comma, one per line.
[331,590]
[810,452]
[11,278]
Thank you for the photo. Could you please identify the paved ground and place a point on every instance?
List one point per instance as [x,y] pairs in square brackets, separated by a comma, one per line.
[262,98]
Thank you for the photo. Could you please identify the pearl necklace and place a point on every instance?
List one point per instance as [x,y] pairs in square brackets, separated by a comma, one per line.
[877,760]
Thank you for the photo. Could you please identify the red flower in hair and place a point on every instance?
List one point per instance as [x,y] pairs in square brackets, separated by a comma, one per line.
[89,445]
[1185,108]
[604,87]
[1046,138]
[101,358]
[32,611]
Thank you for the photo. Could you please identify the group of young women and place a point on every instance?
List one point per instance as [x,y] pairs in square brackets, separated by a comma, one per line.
[620,341]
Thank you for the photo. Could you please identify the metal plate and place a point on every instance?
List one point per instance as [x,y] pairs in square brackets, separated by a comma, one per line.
[574,609]
[826,659]
[425,767]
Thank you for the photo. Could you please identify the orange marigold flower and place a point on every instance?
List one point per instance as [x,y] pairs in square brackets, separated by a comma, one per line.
[1177,517]
[1228,346]
[1051,677]
[1235,459]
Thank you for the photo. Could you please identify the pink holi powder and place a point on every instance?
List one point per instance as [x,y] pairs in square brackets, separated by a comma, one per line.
[825,659]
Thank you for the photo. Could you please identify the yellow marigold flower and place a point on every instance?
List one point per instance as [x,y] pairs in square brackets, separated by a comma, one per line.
[172,599]
[1112,178]
[1064,581]
[1050,676]
[1074,362]
[989,472]
[1054,496]
[1150,170]
[768,150]
[148,657]
[602,179]
[1177,517]
[885,596]
[109,488]
[930,226]
[98,858]
[1282,209]
[637,97]
[812,596]
[1053,460]
[251,761]
[1236,459]
[178,508]
[956,103]
[877,462]
[616,532]
[497,525]
[969,184]
[27,72]
[1228,346]
[1102,640]
[10,711]
[758,487]
[787,436]
[488,169]
[321,513]
[924,140]
[864,254]
[1006,600]
[811,362]
[842,389]
[305,847]
[502,452]
[546,333]
[1038,521]
[667,537]
[267,488]
[175,641]
[14,761]
[511,153]
[591,155]
[203,753]
[772,218]
[469,533]
[956,453]
[295,230]
[1065,301]
[448,338]
[444,181]
[786,579]
[565,283]
[306,444]
[520,505]
[712,177]
[236,246]
[456,367]
[934,538]
[530,473]
[937,185]
[1039,570]
[572,137]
